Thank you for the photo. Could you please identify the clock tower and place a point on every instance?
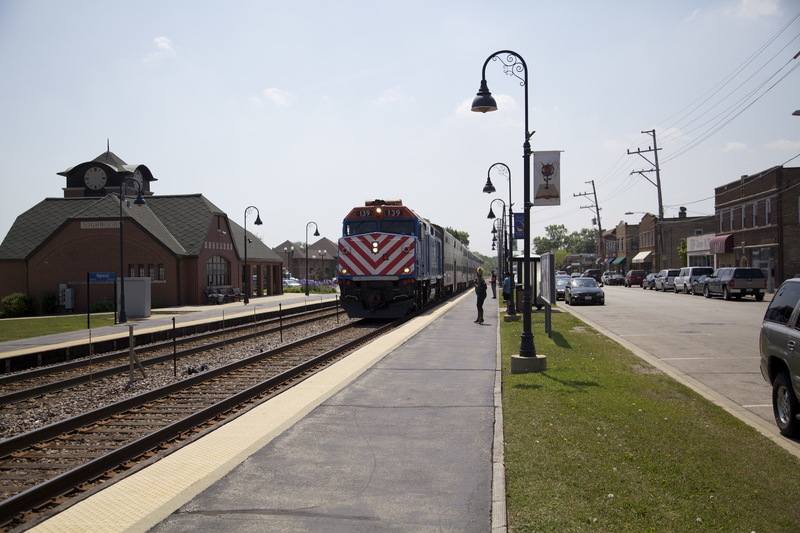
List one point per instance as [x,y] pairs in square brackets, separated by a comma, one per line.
[103,175]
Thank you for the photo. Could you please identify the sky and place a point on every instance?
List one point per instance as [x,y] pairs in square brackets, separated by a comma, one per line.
[307,109]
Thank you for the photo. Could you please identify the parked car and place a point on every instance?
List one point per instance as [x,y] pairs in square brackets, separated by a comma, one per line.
[780,358]
[634,277]
[604,278]
[593,273]
[736,282]
[649,281]
[666,279]
[291,282]
[561,285]
[584,290]
[697,285]
[615,279]
[688,275]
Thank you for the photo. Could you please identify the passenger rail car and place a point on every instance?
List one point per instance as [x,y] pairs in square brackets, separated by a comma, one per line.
[392,261]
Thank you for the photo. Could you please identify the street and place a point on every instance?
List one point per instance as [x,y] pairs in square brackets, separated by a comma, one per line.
[711,345]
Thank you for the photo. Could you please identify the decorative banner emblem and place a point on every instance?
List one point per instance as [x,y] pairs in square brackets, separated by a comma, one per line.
[547,178]
[519,225]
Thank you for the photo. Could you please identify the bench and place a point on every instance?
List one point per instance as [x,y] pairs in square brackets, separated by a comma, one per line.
[214,296]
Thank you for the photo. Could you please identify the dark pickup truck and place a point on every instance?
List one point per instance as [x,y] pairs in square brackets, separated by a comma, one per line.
[735,282]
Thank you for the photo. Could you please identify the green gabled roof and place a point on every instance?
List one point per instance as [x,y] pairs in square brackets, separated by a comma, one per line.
[187,218]
[180,223]
[35,225]
[255,249]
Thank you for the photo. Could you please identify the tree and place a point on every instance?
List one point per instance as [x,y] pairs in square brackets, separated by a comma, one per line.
[583,241]
[461,236]
[556,239]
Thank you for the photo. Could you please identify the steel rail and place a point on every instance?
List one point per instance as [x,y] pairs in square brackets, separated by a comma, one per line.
[67,481]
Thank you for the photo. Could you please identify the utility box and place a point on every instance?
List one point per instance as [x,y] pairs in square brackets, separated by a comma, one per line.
[137,297]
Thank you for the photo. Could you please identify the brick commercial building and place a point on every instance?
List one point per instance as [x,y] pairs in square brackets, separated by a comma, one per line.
[758,223]
[180,243]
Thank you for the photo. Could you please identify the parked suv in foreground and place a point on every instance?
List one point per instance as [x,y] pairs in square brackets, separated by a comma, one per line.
[779,344]
[737,282]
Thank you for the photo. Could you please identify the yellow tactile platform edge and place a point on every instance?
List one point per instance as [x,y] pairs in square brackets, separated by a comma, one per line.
[142,500]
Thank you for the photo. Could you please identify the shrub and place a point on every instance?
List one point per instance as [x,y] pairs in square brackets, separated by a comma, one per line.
[101,307]
[18,304]
[48,303]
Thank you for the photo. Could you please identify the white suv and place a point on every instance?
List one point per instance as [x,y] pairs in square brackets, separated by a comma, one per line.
[687,275]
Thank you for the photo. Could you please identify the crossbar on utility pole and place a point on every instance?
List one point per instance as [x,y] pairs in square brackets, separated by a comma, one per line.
[657,170]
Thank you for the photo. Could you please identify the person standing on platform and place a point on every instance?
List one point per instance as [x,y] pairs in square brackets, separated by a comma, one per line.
[494,285]
[480,291]
[507,288]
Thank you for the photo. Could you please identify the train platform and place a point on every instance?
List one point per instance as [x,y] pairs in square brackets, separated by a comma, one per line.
[405,434]
[162,319]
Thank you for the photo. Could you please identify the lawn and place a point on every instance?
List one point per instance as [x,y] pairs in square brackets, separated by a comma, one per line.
[602,441]
[22,328]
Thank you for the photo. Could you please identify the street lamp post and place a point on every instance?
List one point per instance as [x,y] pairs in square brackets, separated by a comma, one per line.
[316,234]
[514,65]
[322,263]
[123,315]
[489,189]
[248,274]
[510,309]
[289,251]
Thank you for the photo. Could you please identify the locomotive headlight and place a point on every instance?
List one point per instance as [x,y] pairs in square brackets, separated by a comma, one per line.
[378,210]
[406,249]
[375,247]
[344,271]
[406,270]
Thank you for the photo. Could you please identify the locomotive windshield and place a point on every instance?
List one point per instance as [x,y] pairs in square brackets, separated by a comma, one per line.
[400,227]
[360,227]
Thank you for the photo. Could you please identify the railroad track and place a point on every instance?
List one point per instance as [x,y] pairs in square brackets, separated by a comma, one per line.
[34,383]
[41,469]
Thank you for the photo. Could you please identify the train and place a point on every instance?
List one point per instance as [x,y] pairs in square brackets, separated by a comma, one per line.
[392,261]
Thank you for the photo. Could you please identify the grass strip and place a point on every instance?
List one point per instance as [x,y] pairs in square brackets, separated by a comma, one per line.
[12,329]
[603,441]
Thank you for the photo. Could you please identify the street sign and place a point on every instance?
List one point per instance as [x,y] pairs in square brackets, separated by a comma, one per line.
[95,277]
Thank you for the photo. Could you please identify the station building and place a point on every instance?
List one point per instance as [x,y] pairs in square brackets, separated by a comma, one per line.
[109,219]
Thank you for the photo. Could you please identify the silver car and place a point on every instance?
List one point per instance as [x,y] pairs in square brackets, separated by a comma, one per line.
[779,344]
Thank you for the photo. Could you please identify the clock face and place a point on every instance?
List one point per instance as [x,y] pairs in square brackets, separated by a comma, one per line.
[95,178]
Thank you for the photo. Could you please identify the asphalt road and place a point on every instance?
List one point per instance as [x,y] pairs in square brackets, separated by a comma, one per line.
[708,344]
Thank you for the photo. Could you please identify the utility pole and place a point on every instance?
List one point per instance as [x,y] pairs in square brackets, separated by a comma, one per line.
[601,249]
[662,253]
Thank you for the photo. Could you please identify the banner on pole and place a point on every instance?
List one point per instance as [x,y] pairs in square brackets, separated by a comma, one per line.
[547,178]
[519,225]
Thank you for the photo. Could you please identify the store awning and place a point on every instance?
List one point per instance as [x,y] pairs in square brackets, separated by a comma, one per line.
[609,260]
[619,260]
[722,244]
[640,257]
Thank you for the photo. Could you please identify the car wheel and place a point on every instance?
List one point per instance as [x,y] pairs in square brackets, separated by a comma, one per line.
[785,406]
[706,292]
[725,294]
[759,296]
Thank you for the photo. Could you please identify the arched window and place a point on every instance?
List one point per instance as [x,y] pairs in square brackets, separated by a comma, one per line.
[218,271]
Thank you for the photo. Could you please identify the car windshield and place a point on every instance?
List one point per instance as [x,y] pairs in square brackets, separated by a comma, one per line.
[562,282]
[584,282]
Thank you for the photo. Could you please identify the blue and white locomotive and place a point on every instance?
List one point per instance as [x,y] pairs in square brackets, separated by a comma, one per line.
[392,261]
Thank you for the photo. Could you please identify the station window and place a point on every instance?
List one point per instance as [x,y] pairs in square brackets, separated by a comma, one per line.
[218,271]
[161,273]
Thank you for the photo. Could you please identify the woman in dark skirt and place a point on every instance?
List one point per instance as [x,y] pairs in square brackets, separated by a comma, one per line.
[480,291]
